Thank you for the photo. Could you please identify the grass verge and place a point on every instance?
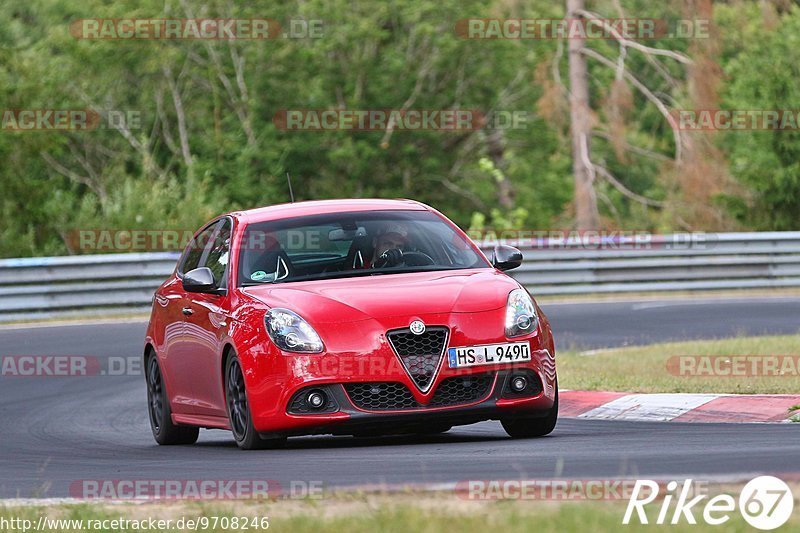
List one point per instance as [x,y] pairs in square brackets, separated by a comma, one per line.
[401,513]
[651,369]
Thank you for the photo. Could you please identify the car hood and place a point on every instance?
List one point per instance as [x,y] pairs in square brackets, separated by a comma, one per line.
[362,298]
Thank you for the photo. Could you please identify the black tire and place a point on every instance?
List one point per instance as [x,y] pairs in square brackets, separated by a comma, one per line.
[247,438]
[526,427]
[164,431]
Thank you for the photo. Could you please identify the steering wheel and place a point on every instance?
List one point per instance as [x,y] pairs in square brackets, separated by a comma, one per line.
[417,259]
[395,257]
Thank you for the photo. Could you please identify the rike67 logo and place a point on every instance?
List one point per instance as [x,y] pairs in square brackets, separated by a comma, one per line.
[765,503]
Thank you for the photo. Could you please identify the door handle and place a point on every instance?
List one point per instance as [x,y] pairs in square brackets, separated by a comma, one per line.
[187,311]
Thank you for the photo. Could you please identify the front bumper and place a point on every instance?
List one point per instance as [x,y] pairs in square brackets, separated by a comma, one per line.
[359,353]
[345,413]
[349,419]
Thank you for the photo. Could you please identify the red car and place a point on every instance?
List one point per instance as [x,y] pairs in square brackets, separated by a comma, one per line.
[356,317]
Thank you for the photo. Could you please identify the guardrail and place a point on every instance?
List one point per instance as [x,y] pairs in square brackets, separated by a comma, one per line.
[33,288]
[43,287]
[665,263]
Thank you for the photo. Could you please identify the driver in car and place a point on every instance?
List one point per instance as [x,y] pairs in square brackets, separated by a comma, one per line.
[388,246]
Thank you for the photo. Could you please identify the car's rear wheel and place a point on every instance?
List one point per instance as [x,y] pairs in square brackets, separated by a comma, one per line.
[164,431]
[525,427]
[241,421]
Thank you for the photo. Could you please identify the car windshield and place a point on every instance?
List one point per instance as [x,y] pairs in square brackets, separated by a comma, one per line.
[352,244]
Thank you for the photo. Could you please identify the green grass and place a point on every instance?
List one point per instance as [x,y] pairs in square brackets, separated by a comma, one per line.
[644,368]
[401,513]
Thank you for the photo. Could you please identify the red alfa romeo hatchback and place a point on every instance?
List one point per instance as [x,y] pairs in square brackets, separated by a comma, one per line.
[355,317]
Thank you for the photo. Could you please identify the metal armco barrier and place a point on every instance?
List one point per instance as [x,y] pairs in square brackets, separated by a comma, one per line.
[43,287]
[665,263]
[124,283]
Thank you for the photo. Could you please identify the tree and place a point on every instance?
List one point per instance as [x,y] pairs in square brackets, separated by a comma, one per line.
[586,168]
[763,72]
[586,213]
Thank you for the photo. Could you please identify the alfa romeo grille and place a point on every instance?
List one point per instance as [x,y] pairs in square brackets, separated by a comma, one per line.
[462,389]
[391,396]
[384,396]
[420,354]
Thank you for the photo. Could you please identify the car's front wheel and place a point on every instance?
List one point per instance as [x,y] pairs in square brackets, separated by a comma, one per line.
[241,421]
[164,431]
[525,427]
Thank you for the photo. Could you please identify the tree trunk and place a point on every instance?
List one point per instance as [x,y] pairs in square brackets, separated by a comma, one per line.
[586,214]
[496,148]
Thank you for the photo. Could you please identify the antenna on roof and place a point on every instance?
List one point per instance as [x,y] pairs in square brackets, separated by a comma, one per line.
[289,181]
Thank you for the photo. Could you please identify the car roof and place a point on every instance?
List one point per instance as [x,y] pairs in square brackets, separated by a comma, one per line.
[319,207]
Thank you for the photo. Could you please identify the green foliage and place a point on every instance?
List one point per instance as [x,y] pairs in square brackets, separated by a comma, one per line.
[499,220]
[763,76]
[372,56]
[218,99]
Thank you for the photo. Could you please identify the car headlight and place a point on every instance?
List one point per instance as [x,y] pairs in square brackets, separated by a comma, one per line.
[291,333]
[521,318]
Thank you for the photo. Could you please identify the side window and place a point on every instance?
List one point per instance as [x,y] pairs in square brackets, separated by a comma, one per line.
[218,253]
[194,251]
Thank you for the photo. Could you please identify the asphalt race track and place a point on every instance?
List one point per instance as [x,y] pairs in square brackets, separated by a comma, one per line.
[599,325]
[58,431]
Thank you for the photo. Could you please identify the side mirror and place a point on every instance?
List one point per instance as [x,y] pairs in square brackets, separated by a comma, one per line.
[506,257]
[199,280]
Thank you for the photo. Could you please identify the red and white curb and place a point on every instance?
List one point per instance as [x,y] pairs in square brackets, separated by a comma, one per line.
[737,408]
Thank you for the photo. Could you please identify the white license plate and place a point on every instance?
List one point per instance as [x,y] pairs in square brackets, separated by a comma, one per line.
[488,354]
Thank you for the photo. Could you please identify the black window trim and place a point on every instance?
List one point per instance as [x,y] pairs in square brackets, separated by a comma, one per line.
[186,251]
[280,222]
[216,222]
[223,287]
